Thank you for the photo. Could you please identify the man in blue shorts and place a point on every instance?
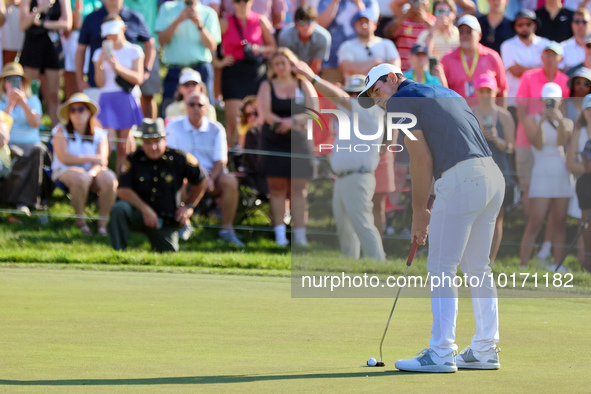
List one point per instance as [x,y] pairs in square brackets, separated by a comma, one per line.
[446,145]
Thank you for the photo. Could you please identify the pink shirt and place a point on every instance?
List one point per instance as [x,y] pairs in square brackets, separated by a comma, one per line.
[252,33]
[489,61]
[530,89]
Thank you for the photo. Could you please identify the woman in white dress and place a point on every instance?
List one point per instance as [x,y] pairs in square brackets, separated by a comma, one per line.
[551,184]
[80,159]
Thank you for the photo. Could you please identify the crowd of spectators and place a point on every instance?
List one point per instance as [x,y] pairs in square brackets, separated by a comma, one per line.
[508,58]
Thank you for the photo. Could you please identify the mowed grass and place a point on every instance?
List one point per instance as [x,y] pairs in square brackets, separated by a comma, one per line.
[154,332]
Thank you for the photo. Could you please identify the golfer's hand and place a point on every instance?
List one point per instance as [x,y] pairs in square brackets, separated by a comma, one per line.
[420,226]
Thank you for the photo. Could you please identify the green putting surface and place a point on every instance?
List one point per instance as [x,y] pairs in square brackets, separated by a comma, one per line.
[125,331]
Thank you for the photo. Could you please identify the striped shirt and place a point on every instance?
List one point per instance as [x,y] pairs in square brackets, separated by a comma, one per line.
[406,37]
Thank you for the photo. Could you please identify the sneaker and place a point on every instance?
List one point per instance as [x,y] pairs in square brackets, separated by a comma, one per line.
[428,361]
[230,237]
[544,252]
[562,269]
[471,359]
[185,232]
[24,209]
[282,242]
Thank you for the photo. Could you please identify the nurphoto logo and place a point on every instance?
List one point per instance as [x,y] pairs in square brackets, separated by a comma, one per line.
[404,122]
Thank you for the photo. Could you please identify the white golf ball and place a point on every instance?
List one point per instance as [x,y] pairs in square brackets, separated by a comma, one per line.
[372,362]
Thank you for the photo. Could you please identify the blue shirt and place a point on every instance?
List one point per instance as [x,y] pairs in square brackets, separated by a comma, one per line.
[90,33]
[450,128]
[21,131]
[430,79]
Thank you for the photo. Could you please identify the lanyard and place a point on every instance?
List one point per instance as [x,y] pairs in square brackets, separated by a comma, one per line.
[469,72]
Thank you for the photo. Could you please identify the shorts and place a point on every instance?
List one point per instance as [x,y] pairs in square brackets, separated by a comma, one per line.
[524,164]
[584,191]
[42,53]
[153,85]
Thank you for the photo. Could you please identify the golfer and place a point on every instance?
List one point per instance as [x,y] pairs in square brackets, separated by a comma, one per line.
[450,148]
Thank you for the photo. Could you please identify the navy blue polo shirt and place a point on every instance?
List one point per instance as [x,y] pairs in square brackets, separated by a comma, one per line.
[450,128]
[90,33]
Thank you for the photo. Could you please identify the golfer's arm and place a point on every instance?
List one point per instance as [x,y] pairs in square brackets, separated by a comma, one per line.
[421,170]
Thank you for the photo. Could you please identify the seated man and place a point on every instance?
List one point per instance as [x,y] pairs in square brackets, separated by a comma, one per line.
[206,140]
[148,185]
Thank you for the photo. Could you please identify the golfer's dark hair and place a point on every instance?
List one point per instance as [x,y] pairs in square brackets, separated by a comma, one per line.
[305,13]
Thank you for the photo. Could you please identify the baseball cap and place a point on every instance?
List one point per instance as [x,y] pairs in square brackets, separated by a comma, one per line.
[555,47]
[194,76]
[525,13]
[486,81]
[366,13]
[470,21]
[582,72]
[111,27]
[372,77]
[419,48]
[586,153]
[551,90]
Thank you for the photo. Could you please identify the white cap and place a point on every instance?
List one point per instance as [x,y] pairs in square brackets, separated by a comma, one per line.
[470,21]
[372,77]
[551,90]
[190,76]
[111,27]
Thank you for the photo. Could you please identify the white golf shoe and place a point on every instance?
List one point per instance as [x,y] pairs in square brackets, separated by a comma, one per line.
[428,361]
[471,359]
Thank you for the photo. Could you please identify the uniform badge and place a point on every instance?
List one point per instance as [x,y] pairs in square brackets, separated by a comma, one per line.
[168,178]
[126,167]
[192,160]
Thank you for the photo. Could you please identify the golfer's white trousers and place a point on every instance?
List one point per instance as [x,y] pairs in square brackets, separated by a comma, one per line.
[353,212]
[469,197]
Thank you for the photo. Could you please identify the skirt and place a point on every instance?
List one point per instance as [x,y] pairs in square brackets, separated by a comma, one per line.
[242,79]
[119,110]
[283,165]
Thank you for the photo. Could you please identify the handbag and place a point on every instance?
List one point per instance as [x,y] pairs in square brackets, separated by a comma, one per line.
[249,55]
[125,85]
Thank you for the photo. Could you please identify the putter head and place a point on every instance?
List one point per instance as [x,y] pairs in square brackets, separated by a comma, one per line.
[380,364]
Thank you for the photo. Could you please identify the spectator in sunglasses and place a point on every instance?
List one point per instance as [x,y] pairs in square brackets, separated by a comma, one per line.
[306,38]
[580,86]
[189,82]
[575,50]
[443,37]
[249,117]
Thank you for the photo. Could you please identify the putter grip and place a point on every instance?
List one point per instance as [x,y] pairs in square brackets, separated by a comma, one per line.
[415,245]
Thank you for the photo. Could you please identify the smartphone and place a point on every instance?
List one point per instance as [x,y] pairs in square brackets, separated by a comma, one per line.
[108,48]
[550,103]
[433,63]
[487,122]
[15,81]
[189,3]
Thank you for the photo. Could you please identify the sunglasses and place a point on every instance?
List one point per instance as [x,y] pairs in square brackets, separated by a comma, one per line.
[442,12]
[249,114]
[241,1]
[190,84]
[580,21]
[305,22]
[73,110]
[369,53]
[192,105]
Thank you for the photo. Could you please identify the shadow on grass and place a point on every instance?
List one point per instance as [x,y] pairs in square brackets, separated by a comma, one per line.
[220,379]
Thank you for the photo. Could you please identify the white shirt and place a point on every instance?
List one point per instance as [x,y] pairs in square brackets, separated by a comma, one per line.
[79,146]
[207,143]
[356,51]
[126,55]
[514,51]
[574,54]
[345,159]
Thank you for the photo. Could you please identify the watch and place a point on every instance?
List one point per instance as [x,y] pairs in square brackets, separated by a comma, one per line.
[315,79]
[187,205]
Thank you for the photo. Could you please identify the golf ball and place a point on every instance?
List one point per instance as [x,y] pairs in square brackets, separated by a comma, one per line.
[372,362]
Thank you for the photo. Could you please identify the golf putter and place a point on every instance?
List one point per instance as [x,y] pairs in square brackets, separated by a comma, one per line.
[411,256]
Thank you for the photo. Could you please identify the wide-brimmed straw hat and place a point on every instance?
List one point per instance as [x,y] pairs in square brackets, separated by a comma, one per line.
[62,111]
[13,70]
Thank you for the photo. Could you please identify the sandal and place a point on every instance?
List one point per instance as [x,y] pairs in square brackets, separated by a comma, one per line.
[102,230]
[84,228]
